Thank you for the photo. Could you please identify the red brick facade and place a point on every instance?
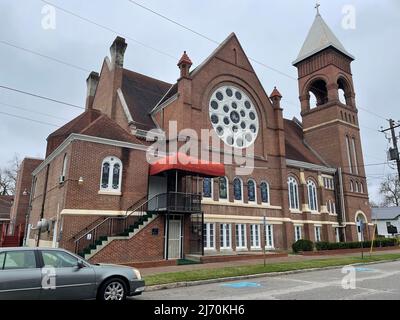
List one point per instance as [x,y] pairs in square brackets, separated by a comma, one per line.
[125,105]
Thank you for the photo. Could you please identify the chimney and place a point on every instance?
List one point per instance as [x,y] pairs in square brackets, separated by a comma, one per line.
[117,51]
[91,82]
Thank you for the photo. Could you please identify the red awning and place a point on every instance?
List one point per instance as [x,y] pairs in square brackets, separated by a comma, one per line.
[183,162]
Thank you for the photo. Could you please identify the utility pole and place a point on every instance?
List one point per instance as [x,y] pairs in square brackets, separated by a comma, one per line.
[394,152]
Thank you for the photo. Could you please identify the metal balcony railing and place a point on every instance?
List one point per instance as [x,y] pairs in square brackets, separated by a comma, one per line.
[136,215]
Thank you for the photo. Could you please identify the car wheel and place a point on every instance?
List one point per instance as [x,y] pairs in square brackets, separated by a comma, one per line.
[113,289]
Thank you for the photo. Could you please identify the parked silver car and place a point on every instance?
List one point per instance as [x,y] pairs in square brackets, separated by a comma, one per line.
[44,273]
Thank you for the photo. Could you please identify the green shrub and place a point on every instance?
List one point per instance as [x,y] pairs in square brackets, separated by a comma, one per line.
[378,243]
[302,245]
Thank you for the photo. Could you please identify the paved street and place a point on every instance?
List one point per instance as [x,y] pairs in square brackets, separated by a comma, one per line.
[376,281]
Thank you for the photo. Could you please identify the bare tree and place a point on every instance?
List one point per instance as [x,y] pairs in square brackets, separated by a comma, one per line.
[8,176]
[390,190]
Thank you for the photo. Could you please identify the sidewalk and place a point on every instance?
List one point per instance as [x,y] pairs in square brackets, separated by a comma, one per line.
[216,265]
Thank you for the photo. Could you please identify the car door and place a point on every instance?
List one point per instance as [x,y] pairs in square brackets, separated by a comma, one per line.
[63,279]
[20,275]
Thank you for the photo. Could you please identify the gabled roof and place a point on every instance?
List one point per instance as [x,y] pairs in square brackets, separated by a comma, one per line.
[104,127]
[320,37]
[77,124]
[142,94]
[391,213]
[296,149]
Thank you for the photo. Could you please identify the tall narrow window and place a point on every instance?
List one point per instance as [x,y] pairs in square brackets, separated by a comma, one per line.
[111,174]
[225,236]
[357,187]
[269,236]
[353,146]
[264,188]
[349,154]
[64,167]
[297,233]
[223,188]
[237,189]
[351,186]
[116,175]
[293,193]
[318,230]
[255,236]
[105,175]
[251,191]
[241,236]
[337,234]
[209,236]
[361,187]
[312,195]
[207,188]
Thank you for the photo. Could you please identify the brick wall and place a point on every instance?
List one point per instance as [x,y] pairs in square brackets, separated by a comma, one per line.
[134,250]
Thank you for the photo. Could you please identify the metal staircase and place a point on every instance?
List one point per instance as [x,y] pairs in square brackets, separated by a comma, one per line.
[137,217]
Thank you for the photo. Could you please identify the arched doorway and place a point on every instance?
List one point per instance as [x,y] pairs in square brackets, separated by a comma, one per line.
[361,225]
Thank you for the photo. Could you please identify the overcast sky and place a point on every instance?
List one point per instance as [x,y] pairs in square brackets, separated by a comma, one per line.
[269,31]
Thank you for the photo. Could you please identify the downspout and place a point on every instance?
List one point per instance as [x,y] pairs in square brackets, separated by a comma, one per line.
[43,202]
[342,204]
[28,214]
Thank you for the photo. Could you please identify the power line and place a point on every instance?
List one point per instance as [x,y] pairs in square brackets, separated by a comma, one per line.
[202,35]
[27,119]
[109,29]
[43,55]
[174,22]
[36,112]
[41,97]
[214,41]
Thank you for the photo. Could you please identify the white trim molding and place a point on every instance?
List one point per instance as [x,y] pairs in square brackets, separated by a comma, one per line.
[85,212]
[125,106]
[82,137]
[310,166]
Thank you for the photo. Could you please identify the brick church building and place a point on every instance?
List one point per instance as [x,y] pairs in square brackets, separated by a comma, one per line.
[97,194]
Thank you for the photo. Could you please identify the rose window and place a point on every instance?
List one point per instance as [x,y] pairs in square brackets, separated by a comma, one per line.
[234,117]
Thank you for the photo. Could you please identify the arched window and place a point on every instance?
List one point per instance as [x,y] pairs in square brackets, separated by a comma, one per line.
[357,187]
[319,90]
[312,195]
[223,188]
[207,187]
[111,174]
[237,189]
[361,187]
[264,188]
[351,186]
[344,91]
[251,190]
[293,193]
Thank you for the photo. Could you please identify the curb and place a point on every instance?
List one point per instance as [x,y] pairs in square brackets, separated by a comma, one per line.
[252,276]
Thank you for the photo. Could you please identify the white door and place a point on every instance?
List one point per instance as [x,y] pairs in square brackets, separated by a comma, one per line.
[174,241]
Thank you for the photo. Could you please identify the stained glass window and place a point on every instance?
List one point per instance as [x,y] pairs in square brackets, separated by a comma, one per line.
[237,189]
[251,189]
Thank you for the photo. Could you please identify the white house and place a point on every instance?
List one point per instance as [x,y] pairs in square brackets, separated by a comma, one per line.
[385,219]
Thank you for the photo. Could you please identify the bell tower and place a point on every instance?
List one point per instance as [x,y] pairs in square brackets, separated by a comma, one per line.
[330,119]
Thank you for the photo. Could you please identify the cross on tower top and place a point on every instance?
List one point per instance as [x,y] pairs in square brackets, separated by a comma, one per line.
[317,5]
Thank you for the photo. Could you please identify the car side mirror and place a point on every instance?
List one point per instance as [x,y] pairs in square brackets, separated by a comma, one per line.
[80,264]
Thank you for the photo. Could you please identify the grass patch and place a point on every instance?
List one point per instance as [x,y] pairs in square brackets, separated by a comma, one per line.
[206,274]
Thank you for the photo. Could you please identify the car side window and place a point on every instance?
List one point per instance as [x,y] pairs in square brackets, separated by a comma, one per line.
[58,259]
[2,257]
[19,260]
